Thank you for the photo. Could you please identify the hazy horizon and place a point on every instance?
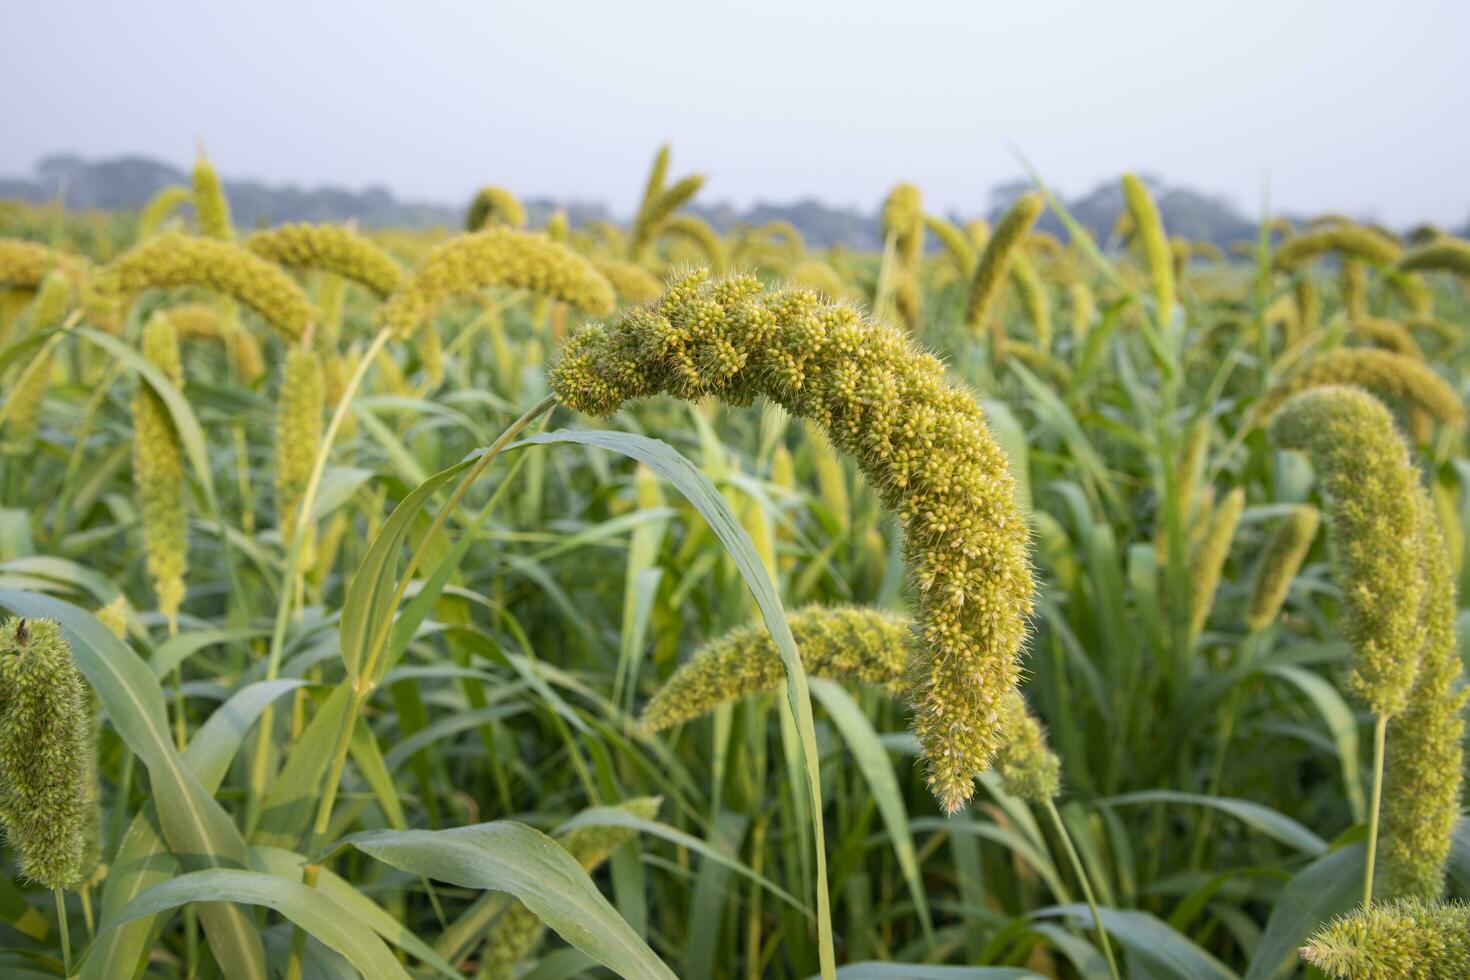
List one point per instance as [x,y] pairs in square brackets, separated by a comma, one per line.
[1333,105]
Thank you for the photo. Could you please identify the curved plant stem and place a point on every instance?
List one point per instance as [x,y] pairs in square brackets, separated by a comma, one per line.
[1380,731]
[1077,869]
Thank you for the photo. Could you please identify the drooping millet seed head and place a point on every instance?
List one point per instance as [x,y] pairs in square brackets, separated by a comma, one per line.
[921,442]
[298,437]
[329,248]
[1282,559]
[46,748]
[158,471]
[1403,379]
[1392,940]
[1370,487]
[494,206]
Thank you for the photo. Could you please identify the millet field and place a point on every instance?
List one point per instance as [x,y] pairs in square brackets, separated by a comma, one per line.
[641,600]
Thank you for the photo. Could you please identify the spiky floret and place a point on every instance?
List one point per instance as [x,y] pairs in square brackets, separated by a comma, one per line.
[1388,334]
[25,264]
[158,471]
[857,646]
[656,210]
[921,442]
[957,245]
[1028,767]
[159,207]
[1424,761]
[211,206]
[1349,240]
[1280,562]
[990,272]
[494,206]
[630,281]
[171,260]
[1445,254]
[46,752]
[517,930]
[1208,559]
[298,437]
[495,257]
[695,229]
[329,248]
[1396,940]
[1371,490]
[1149,230]
[1399,377]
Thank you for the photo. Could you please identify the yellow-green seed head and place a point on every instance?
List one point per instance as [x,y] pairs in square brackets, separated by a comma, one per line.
[1280,562]
[696,230]
[160,207]
[1149,228]
[1354,289]
[851,645]
[1424,761]
[1028,767]
[211,206]
[655,211]
[1034,300]
[25,264]
[494,206]
[1348,240]
[558,228]
[1308,303]
[329,248]
[1208,559]
[158,471]
[1371,489]
[631,282]
[1443,255]
[1084,308]
[1388,334]
[114,616]
[819,277]
[298,437]
[995,260]
[903,219]
[46,753]
[957,245]
[1405,380]
[921,442]
[469,263]
[1400,940]
[170,261]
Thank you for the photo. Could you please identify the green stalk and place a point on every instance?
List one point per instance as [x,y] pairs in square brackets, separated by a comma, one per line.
[1102,934]
[1380,733]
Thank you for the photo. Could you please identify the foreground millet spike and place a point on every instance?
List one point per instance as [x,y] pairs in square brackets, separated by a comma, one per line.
[1371,489]
[855,646]
[1444,255]
[494,206]
[169,261]
[1395,941]
[1351,241]
[46,748]
[469,263]
[1425,760]
[1280,562]
[1399,377]
[211,206]
[630,281]
[158,471]
[329,248]
[298,437]
[517,930]
[994,264]
[1157,257]
[921,442]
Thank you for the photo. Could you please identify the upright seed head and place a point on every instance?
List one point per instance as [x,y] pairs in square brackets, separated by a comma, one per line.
[694,229]
[1157,257]
[46,752]
[158,471]
[1208,559]
[995,261]
[1371,490]
[298,437]
[654,212]
[958,247]
[1413,938]
[921,442]
[159,207]
[211,206]
[1280,562]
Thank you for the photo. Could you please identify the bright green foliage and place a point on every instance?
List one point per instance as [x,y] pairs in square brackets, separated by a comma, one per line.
[994,265]
[921,442]
[517,930]
[469,263]
[494,206]
[330,248]
[46,753]
[1424,761]
[1401,940]
[158,471]
[1371,489]
[1279,564]
[170,261]
[852,645]
[1149,229]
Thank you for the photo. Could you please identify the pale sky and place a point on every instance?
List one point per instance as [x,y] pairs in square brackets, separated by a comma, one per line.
[1351,106]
